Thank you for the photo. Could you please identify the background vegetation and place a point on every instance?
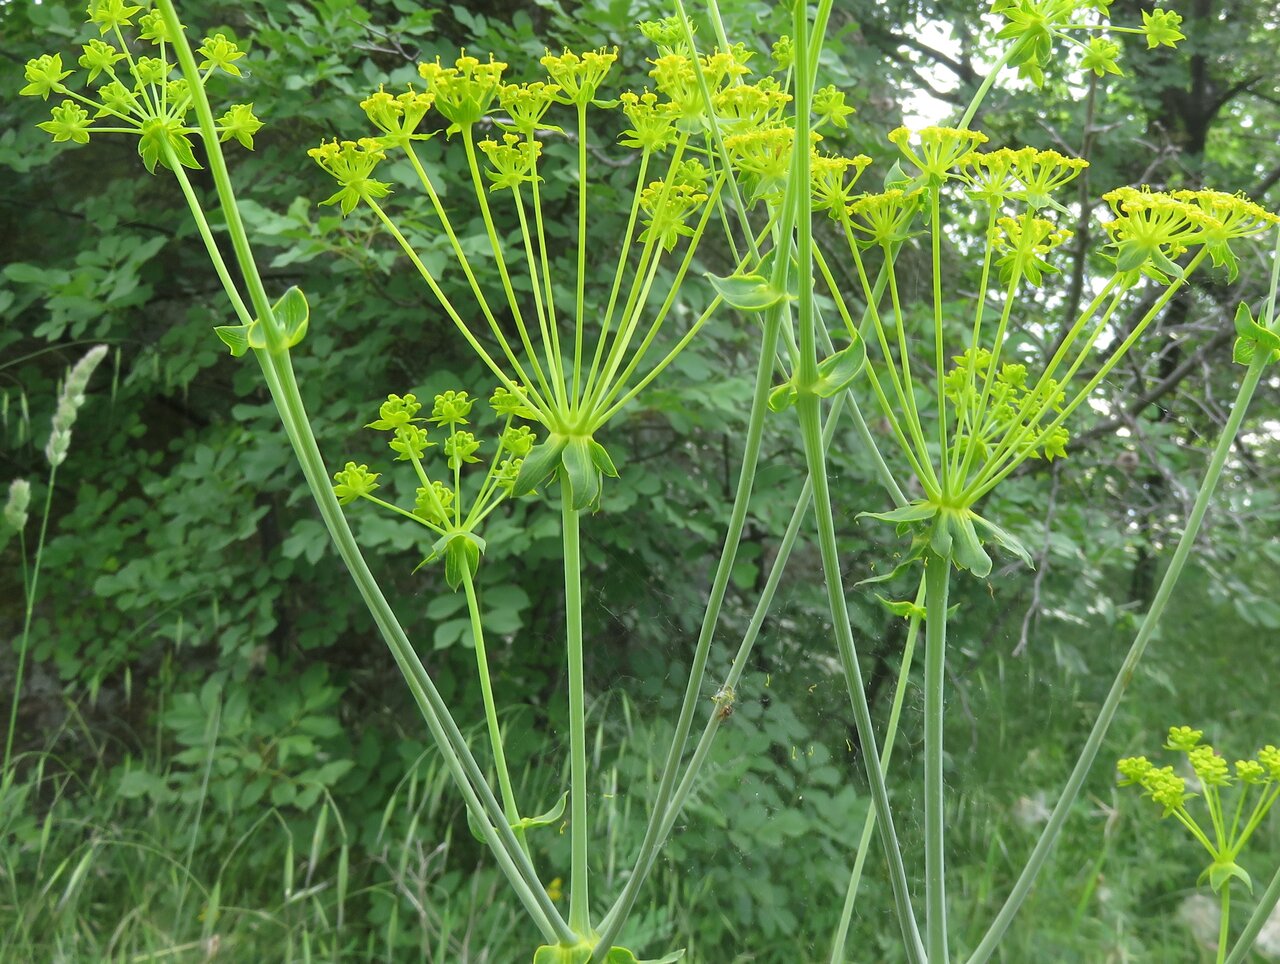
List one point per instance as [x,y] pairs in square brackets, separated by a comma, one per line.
[216,756]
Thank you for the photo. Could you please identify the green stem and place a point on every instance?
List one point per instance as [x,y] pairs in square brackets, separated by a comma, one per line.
[579,904]
[1224,925]
[719,585]
[24,641]
[886,755]
[808,407]
[1061,810]
[937,578]
[490,710]
[278,372]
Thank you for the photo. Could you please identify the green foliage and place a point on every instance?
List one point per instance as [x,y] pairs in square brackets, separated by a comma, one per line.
[193,584]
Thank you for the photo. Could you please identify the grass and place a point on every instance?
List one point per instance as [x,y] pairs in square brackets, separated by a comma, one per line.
[754,873]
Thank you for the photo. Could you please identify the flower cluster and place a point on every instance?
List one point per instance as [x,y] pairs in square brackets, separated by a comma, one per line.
[1034,26]
[1231,823]
[136,95]
[447,505]
[996,404]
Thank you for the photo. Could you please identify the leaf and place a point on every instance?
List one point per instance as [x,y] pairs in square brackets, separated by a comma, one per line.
[915,512]
[1005,540]
[463,550]
[584,477]
[904,607]
[240,338]
[747,292]
[292,313]
[542,460]
[966,547]
[544,819]
[1220,872]
[838,371]
[782,397]
[600,458]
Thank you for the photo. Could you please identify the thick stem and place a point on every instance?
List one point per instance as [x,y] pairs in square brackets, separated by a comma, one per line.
[937,578]
[886,755]
[579,903]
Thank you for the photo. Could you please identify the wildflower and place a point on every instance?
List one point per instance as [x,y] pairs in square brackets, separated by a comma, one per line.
[526,104]
[518,440]
[1042,173]
[451,408]
[746,107]
[1183,738]
[1161,28]
[351,164]
[432,503]
[151,26]
[579,76]
[219,53]
[464,92]
[151,70]
[989,175]
[353,482]
[44,75]
[831,182]
[239,122]
[1100,56]
[829,107]
[514,161]
[1232,217]
[764,156]
[674,76]
[1209,767]
[69,122]
[98,56]
[652,124]
[396,412]
[885,218]
[666,34]
[939,151]
[783,53]
[1251,772]
[1150,229]
[459,448]
[1269,757]
[111,14]
[1026,241]
[410,442]
[507,405]
[670,203]
[398,117]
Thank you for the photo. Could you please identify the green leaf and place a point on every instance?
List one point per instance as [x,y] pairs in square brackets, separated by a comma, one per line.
[966,547]
[1005,540]
[837,372]
[544,819]
[542,460]
[600,459]
[782,397]
[747,292]
[584,477]
[915,512]
[462,550]
[904,607]
[1243,351]
[1220,872]
[292,313]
